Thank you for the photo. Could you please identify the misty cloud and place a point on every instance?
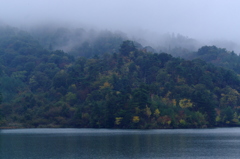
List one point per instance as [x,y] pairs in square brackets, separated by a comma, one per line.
[206,20]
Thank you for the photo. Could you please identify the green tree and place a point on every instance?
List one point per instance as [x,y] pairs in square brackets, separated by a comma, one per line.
[205,102]
[127,47]
[140,98]
[0,109]
[60,79]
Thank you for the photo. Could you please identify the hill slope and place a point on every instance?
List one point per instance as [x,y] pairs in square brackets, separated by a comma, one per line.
[128,89]
[217,56]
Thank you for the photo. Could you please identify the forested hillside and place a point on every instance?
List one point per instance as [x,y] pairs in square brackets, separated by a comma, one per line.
[217,56]
[127,87]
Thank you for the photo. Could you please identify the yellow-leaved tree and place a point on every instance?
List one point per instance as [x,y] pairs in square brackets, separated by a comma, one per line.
[148,111]
[136,119]
[185,103]
[156,113]
[118,120]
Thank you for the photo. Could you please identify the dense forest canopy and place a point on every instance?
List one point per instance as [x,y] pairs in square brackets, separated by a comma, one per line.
[217,56]
[112,82]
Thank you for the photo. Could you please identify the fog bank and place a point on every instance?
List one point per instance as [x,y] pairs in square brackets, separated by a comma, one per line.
[209,22]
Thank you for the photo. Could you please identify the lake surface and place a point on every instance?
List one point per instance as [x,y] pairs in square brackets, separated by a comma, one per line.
[119,144]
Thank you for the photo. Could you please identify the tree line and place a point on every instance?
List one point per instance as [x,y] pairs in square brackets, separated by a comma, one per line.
[127,88]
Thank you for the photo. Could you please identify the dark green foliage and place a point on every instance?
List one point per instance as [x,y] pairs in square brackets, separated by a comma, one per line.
[140,97]
[127,47]
[131,88]
[217,56]
[205,102]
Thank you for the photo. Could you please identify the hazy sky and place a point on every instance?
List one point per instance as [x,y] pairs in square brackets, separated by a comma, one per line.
[205,19]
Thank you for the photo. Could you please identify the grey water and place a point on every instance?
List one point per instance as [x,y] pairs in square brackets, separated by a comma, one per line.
[218,143]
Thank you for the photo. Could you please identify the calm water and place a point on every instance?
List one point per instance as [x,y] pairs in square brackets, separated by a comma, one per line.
[119,144]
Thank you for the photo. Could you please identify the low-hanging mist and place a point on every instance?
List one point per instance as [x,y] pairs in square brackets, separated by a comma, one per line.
[208,22]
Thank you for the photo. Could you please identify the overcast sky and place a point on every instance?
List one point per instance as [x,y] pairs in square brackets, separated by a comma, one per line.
[204,19]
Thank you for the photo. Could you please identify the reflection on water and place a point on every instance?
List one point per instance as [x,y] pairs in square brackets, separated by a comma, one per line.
[119,144]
